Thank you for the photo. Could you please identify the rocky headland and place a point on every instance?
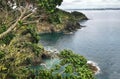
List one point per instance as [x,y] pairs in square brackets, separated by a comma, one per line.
[61,22]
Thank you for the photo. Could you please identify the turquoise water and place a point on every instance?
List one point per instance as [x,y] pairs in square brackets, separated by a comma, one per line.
[99,41]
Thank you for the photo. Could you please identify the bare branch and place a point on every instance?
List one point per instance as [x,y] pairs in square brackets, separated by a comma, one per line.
[27,16]
[20,9]
[15,24]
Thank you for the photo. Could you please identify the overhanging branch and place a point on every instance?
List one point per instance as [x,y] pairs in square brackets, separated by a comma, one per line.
[15,24]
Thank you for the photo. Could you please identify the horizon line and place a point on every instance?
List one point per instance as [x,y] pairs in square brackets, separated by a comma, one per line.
[95,9]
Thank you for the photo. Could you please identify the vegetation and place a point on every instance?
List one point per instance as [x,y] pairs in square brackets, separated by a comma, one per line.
[8,37]
[76,67]
[61,22]
[79,15]
[20,52]
[23,9]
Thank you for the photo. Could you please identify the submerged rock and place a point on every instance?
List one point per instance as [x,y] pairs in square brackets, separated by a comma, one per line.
[43,64]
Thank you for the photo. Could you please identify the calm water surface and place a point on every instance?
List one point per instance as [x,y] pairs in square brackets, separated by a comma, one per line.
[99,41]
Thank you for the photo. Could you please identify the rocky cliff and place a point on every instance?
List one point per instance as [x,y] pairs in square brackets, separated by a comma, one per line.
[61,22]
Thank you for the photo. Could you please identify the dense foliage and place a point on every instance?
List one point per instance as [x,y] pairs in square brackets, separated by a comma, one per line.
[7,38]
[50,5]
[24,11]
[76,67]
[20,52]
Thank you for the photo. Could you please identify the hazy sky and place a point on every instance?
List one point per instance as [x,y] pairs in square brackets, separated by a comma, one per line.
[78,4]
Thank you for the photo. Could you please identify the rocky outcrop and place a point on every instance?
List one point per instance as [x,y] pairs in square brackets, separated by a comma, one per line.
[79,16]
[93,67]
[61,22]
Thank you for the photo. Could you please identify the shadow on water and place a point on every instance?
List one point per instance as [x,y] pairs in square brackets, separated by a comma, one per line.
[51,38]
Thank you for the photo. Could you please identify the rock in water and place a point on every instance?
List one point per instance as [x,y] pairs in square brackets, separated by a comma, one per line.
[94,67]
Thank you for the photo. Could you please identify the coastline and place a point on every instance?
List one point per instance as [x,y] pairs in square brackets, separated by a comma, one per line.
[69,22]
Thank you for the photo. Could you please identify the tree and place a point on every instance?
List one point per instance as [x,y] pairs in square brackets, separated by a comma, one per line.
[24,9]
[18,58]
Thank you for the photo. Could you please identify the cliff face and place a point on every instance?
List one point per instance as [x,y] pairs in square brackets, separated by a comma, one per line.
[61,22]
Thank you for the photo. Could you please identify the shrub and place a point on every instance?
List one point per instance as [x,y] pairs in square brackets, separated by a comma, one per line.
[8,37]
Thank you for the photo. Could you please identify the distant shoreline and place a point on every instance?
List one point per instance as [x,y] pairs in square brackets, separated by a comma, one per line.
[96,9]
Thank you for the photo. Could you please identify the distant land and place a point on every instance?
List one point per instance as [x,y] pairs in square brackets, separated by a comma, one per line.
[96,9]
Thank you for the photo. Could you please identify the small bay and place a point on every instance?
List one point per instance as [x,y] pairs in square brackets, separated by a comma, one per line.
[99,41]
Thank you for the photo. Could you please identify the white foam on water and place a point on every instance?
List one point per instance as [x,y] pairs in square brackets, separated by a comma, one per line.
[51,49]
[96,65]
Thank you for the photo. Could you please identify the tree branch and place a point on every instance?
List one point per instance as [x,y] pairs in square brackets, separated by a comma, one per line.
[15,24]
[27,16]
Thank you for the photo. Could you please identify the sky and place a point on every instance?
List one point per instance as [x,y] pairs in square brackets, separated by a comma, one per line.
[83,4]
